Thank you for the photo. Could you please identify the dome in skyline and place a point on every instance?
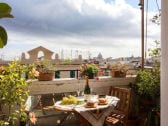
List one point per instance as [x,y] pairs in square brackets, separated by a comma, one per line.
[100,56]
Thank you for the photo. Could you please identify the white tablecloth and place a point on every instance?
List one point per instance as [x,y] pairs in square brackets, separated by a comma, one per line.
[95,116]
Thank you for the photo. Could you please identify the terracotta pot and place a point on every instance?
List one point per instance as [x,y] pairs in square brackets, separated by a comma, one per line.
[118,74]
[48,76]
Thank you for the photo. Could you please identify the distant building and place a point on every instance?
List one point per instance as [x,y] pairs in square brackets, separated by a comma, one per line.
[100,56]
[33,55]
[47,54]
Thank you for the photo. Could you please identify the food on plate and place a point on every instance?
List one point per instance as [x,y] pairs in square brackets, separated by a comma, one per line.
[91,103]
[102,101]
[71,100]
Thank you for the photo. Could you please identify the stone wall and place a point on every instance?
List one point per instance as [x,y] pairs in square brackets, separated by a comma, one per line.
[100,86]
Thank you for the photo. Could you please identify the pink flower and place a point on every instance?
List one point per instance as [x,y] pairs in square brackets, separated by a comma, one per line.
[32,117]
[85,66]
[1,68]
[97,78]
[80,68]
[35,73]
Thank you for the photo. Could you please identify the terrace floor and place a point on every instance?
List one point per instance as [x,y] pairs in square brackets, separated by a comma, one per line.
[52,121]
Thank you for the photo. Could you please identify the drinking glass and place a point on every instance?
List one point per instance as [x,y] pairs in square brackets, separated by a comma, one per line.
[78,92]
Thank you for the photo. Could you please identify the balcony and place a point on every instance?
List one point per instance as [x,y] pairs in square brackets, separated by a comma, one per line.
[63,86]
[66,86]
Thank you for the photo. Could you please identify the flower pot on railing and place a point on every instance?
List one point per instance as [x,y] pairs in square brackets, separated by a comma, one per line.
[89,70]
[46,76]
[118,73]
[91,75]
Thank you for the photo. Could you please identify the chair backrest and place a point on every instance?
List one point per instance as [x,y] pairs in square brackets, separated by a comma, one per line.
[47,99]
[124,94]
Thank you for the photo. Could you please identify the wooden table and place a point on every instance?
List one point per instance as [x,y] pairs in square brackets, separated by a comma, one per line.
[91,116]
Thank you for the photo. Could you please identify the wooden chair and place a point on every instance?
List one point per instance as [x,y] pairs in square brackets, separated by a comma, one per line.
[120,114]
[46,102]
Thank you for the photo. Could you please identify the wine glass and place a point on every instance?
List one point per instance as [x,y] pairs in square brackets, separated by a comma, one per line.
[78,92]
[78,89]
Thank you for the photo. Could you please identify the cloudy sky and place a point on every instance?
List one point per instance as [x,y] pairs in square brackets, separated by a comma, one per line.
[111,27]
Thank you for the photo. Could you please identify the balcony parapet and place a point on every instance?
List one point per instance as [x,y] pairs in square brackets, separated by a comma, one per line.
[61,85]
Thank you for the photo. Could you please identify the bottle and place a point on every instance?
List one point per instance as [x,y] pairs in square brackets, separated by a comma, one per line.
[87,89]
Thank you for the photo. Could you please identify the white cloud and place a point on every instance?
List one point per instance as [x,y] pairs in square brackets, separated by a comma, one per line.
[77,24]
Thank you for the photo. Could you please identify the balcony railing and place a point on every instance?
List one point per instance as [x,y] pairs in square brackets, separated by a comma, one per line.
[75,73]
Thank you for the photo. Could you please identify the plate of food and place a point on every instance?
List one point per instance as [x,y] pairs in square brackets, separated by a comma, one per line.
[102,101]
[91,104]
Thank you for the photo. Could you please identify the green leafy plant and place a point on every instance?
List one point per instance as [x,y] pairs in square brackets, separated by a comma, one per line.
[157,19]
[14,91]
[87,69]
[155,53]
[148,88]
[119,67]
[146,94]
[46,70]
[5,11]
[119,70]
[44,66]
[148,83]
[66,62]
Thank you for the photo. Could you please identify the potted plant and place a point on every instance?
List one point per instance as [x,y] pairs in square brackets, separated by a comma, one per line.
[147,88]
[89,70]
[148,80]
[119,70]
[13,92]
[148,83]
[46,70]
[146,97]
